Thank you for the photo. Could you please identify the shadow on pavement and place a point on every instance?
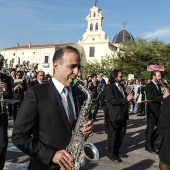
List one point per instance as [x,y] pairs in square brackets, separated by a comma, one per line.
[143,165]
[134,138]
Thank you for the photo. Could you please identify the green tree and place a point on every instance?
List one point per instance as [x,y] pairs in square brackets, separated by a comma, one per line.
[139,54]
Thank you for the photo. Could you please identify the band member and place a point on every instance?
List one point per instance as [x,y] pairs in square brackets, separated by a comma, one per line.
[105,110]
[20,87]
[117,107]
[101,79]
[153,93]
[39,80]
[43,126]
[93,86]
[6,93]
[164,131]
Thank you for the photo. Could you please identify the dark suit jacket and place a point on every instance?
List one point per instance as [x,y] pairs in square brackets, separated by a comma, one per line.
[116,103]
[164,131]
[102,81]
[43,115]
[33,83]
[153,94]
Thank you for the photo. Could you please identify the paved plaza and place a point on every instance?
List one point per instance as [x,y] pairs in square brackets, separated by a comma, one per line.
[133,145]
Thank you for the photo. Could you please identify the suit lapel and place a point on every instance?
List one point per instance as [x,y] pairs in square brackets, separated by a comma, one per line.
[56,98]
[157,89]
[117,89]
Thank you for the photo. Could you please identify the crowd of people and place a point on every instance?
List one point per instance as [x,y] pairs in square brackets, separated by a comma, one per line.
[45,115]
[20,82]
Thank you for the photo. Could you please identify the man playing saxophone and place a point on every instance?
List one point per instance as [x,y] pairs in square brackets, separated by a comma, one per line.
[47,116]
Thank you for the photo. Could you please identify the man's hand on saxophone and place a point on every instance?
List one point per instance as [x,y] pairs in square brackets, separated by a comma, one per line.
[63,159]
[88,128]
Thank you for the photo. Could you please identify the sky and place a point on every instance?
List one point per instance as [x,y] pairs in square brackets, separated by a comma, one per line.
[63,21]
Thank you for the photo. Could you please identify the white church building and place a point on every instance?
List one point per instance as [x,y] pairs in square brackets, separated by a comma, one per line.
[93,46]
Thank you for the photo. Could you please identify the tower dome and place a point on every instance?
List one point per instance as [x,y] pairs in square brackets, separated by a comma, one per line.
[122,36]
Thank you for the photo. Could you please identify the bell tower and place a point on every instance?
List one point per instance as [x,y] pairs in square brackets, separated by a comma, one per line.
[94,31]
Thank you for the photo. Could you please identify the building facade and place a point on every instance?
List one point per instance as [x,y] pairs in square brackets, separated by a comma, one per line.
[94,42]
[93,47]
[35,57]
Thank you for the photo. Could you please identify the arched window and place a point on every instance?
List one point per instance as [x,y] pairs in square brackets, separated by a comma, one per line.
[96,27]
[91,27]
[94,14]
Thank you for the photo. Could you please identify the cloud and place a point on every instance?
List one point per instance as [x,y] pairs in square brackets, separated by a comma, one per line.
[161,33]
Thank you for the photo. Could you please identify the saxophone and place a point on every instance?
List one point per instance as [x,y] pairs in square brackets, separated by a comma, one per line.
[82,152]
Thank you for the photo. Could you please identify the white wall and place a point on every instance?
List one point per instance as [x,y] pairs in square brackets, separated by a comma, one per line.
[33,55]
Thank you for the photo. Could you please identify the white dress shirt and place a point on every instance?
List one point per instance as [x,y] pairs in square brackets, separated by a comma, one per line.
[155,84]
[59,86]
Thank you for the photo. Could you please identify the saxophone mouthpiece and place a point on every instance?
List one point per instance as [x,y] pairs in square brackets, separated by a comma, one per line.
[78,82]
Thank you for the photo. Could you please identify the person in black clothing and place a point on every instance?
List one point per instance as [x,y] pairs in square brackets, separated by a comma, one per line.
[43,127]
[39,80]
[101,79]
[6,93]
[141,106]
[18,92]
[12,77]
[154,97]
[164,131]
[101,85]
[117,107]
[94,89]
[103,105]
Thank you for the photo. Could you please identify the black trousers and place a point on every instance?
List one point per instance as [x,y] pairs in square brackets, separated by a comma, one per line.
[16,107]
[116,133]
[10,110]
[3,138]
[151,133]
[94,109]
[106,119]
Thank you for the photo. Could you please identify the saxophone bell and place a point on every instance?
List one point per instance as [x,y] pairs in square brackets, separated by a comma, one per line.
[90,154]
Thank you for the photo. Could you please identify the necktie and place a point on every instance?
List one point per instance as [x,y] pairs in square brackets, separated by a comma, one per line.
[70,107]
[121,90]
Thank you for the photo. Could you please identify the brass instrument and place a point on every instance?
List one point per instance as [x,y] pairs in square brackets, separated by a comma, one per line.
[82,152]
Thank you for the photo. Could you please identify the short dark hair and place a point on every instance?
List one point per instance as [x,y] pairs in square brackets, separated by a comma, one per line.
[113,75]
[143,81]
[94,75]
[13,69]
[58,55]
[41,72]
[153,73]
